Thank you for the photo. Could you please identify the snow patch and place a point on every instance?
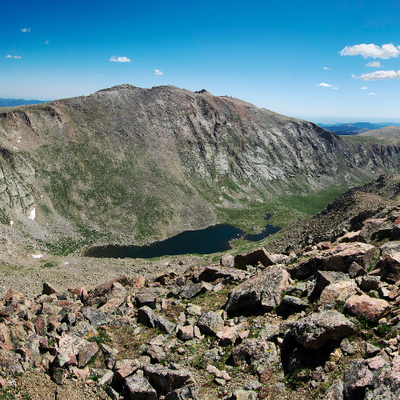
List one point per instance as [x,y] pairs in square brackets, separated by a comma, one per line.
[37,255]
[32,215]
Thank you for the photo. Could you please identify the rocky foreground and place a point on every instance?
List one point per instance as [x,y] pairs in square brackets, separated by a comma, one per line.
[320,323]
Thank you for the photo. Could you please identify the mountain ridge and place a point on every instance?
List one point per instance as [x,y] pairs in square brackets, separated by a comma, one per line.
[131,165]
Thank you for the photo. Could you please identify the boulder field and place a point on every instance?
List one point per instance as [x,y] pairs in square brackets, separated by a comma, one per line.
[323,322]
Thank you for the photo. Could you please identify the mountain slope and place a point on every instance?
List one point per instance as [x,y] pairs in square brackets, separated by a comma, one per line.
[389,134]
[132,165]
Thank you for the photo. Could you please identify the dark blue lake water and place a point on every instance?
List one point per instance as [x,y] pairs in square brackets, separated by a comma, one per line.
[205,241]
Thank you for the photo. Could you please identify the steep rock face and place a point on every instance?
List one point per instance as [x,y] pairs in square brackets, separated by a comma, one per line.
[131,164]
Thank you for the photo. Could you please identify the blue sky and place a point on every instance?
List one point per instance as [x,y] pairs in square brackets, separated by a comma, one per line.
[322,61]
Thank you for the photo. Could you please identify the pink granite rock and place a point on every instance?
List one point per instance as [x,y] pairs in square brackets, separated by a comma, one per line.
[369,307]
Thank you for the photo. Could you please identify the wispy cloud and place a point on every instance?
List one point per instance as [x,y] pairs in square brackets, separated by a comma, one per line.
[26,30]
[378,75]
[158,72]
[10,56]
[325,68]
[327,85]
[374,64]
[371,50]
[364,88]
[119,59]
[46,42]
[371,94]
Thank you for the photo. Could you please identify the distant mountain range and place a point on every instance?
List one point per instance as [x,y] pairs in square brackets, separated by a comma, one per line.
[356,128]
[19,102]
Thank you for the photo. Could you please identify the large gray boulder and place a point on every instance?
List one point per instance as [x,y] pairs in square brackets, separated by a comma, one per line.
[314,331]
[262,290]
[210,323]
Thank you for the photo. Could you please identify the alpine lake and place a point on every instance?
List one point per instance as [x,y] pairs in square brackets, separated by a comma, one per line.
[213,239]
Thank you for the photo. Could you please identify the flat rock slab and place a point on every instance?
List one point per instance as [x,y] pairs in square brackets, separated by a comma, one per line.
[315,331]
[338,291]
[224,274]
[262,290]
[369,307]
[194,289]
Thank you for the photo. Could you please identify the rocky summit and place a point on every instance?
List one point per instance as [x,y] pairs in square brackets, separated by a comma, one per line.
[320,321]
[129,165]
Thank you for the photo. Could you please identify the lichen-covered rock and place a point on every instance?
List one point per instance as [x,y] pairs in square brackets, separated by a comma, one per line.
[263,290]
[138,387]
[254,352]
[164,380]
[187,392]
[362,376]
[338,291]
[193,289]
[335,392]
[315,331]
[227,260]
[210,323]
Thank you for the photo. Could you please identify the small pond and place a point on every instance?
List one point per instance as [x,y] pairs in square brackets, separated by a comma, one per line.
[213,239]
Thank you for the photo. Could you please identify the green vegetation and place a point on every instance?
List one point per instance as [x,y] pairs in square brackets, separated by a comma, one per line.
[365,139]
[101,337]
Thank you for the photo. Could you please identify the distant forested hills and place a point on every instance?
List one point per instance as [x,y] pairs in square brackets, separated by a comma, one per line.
[356,127]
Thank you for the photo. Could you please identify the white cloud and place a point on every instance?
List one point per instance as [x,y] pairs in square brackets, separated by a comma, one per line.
[364,87]
[325,68]
[374,64]
[158,72]
[354,76]
[371,94]
[327,85]
[26,30]
[10,56]
[119,59]
[376,76]
[372,50]
[46,42]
